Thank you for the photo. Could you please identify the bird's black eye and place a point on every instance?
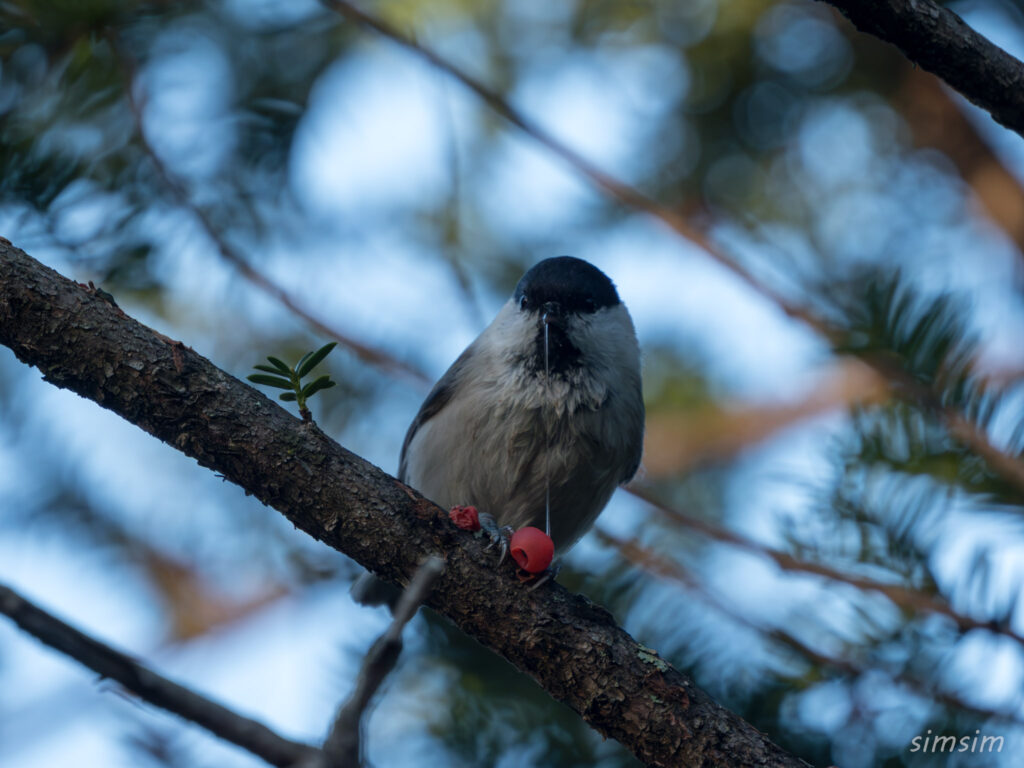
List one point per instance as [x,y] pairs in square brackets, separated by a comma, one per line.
[590,304]
[523,302]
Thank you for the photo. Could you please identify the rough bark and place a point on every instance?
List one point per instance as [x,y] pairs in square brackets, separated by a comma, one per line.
[938,40]
[573,648]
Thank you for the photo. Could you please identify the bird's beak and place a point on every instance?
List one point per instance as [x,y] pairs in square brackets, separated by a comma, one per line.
[551,312]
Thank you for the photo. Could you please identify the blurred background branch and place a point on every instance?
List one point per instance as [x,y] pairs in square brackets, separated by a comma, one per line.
[150,686]
[914,601]
[849,662]
[342,745]
[386,362]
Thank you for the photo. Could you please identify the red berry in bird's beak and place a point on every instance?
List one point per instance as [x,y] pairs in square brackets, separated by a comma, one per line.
[532,549]
[465,518]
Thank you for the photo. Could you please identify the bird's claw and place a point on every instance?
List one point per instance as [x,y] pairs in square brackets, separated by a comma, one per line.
[499,535]
[538,579]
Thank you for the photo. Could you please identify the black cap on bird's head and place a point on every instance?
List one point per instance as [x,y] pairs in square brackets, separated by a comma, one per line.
[565,285]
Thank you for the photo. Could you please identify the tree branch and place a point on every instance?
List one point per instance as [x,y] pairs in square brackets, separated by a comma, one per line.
[148,685]
[573,648]
[341,747]
[938,40]
[907,598]
[368,354]
[634,552]
[625,194]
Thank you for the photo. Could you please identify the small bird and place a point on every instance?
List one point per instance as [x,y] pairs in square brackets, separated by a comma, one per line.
[541,418]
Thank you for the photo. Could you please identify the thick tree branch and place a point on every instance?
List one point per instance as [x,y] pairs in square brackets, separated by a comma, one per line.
[148,685]
[938,40]
[573,648]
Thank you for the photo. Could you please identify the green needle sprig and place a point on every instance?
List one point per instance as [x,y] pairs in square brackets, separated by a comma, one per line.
[279,375]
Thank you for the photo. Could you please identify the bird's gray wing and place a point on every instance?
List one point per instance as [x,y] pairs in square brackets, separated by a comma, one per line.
[438,398]
[368,589]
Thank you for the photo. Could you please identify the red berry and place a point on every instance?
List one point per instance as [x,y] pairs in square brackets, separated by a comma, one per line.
[532,549]
[465,518]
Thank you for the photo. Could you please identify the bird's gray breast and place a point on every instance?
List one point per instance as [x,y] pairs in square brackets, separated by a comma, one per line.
[503,447]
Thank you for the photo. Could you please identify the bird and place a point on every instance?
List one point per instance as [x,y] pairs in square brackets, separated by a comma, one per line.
[541,418]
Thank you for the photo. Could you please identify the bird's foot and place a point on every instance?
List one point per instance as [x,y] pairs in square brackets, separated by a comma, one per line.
[537,579]
[498,534]
[531,548]
[469,519]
